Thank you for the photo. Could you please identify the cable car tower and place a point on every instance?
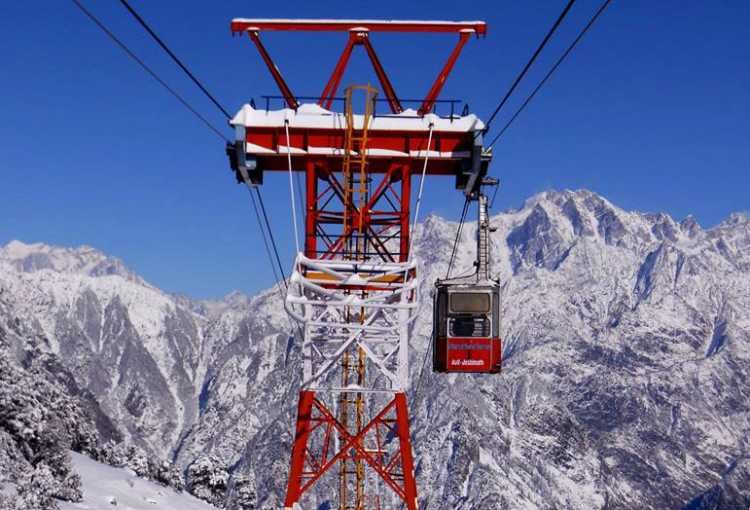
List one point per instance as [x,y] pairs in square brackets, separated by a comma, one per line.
[354,286]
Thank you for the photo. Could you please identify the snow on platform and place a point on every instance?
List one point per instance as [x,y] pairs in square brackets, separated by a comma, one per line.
[106,487]
[312,116]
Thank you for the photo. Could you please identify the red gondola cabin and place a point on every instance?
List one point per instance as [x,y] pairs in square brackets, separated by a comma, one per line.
[466,332]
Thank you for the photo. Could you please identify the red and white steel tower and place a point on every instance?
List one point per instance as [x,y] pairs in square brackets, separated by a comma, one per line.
[354,287]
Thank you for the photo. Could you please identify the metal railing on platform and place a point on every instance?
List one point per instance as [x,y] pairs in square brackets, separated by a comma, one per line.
[446,108]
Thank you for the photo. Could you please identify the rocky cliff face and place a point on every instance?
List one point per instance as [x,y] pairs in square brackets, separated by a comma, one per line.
[124,340]
[625,384]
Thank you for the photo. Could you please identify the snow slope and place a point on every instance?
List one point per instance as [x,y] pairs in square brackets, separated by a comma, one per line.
[106,487]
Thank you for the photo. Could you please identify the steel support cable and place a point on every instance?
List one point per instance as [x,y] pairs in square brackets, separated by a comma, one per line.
[421,188]
[421,370]
[551,71]
[174,57]
[529,63]
[148,70]
[411,240]
[494,195]
[458,237]
[413,226]
[270,258]
[291,184]
[447,275]
[302,199]
[278,259]
[295,331]
[265,241]
[271,236]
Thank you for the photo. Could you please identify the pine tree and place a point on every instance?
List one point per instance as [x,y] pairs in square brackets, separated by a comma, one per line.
[244,494]
[207,479]
[136,460]
[167,474]
[39,424]
[113,454]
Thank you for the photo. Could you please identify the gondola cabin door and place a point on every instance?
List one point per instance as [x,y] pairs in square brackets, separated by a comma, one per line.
[467,328]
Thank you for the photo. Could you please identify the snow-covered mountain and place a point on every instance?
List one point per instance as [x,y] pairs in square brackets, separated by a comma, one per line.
[83,260]
[626,382]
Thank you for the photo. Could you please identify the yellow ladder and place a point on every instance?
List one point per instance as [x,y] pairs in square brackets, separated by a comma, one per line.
[356,181]
[355,165]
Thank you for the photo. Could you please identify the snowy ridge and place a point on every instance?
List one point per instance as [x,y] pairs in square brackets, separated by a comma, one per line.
[83,260]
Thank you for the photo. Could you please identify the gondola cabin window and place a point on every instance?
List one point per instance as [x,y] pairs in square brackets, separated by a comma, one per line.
[470,302]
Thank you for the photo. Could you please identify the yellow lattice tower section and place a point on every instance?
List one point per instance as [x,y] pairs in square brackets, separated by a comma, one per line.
[356,195]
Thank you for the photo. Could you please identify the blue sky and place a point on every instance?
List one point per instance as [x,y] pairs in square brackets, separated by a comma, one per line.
[652,110]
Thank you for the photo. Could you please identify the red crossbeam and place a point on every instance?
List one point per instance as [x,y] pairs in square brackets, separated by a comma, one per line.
[329,92]
[385,82]
[359,38]
[437,85]
[290,99]
[345,25]
[359,35]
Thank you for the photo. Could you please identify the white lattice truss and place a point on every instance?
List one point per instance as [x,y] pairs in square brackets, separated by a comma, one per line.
[342,305]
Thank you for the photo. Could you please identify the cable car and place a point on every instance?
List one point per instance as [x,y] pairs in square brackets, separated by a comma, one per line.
[466,311]
[467,327]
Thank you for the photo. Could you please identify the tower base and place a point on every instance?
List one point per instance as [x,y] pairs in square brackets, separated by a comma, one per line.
[383,444]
